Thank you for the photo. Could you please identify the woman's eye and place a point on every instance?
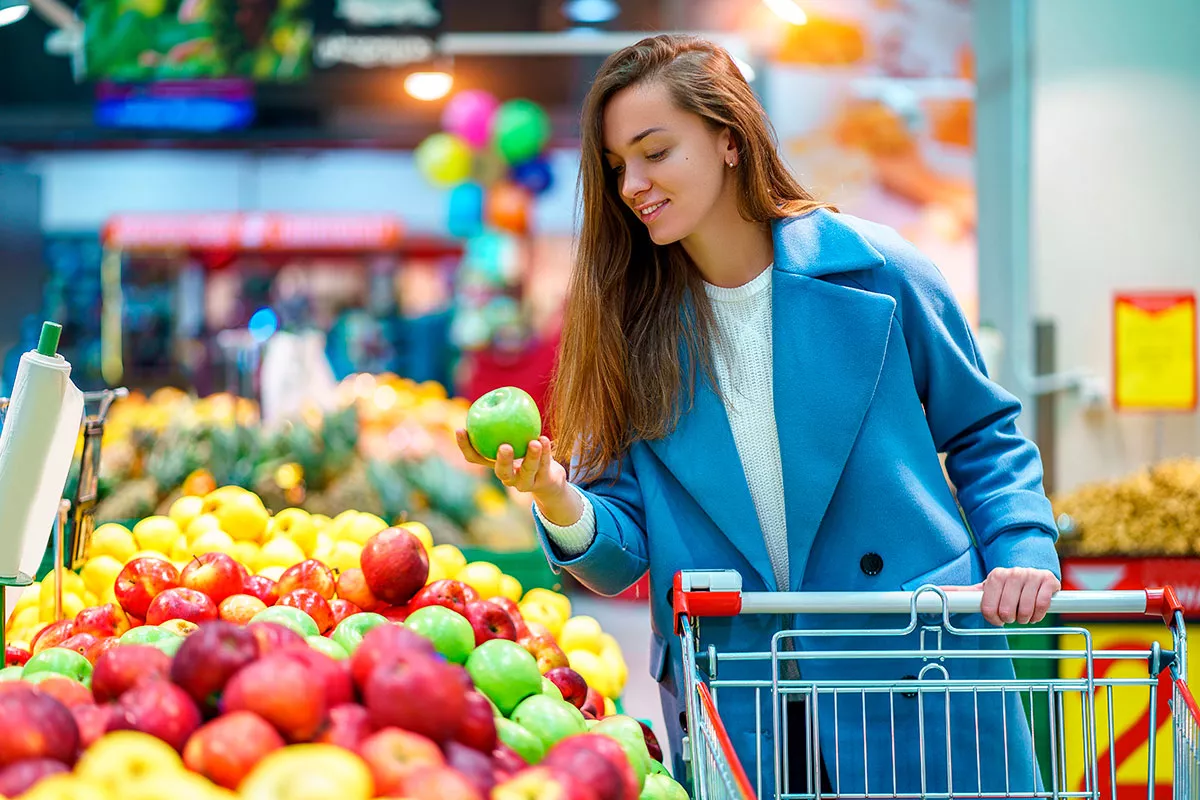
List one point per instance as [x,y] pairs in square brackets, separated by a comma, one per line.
[617,169]
[659,156]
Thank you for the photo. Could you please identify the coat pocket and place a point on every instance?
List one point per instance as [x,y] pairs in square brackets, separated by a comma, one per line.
[965,569]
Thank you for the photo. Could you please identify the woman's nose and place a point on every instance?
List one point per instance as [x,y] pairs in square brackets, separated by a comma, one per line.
[633,183]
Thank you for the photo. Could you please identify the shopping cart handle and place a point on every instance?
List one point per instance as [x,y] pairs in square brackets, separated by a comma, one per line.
[719,594]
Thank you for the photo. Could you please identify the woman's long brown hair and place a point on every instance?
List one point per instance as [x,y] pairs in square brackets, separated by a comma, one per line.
[637,322]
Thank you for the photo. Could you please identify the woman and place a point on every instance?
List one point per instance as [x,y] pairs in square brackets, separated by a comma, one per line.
[753,381]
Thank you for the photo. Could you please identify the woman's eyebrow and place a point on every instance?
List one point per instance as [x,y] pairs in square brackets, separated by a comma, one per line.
[637,138]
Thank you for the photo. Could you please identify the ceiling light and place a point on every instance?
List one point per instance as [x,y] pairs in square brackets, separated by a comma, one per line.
[591,11]
[12,11]
[787,10]
[428,85]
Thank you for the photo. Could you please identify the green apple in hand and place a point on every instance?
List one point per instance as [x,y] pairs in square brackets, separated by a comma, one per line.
[522,742]
[548,719]
[60,661]
[505,672]
[450,632]
[507,415]
[349,632]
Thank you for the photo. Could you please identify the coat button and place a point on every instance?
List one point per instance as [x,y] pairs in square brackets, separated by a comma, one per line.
[909,695]
[871,564]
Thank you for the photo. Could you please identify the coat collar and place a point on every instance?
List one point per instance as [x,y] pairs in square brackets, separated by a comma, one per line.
[827,353]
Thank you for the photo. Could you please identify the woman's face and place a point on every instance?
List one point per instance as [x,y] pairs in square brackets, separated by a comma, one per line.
[671,168]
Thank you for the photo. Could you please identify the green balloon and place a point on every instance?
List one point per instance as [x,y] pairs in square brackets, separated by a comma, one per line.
[444,159]
[520,130]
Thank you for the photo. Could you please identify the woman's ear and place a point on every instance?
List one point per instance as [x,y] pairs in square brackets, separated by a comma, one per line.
[728,147]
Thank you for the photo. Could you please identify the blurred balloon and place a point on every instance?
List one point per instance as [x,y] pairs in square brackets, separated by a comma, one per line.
[489,167]
[469,115]
[508,207]
[494,257]
[534,175]
[520,130]
[465,215]
[444,159]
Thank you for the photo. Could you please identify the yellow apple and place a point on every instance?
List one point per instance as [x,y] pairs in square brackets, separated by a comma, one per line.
[345,555]
[202,523]
[117,758]
[581,633]
[213,542]
[309,771]
[99,573]
[556,600]
[113,540]
[450,558]
[543,614]
[186,509]
[360,528]
[593,670]
[421,531]
[240,513]
[156,533]
[482,576]
[297,525]
[246,553]
[510,587]
[64,787]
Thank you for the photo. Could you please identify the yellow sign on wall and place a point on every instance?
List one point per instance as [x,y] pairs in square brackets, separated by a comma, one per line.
[1154,352]
[1122,726]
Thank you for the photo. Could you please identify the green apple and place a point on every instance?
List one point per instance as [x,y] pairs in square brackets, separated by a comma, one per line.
[505,672]
[507,415]
[288,617]
[327,646]
[522,742]
[349,632]
[169,644]
[11,673]
[548,719]
[591,723]
[145,634]
[550,690]
[658,768]
[662,787]
[628,733]
[60,661]
[450,632]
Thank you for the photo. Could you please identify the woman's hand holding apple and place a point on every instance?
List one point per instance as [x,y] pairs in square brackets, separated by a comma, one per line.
[537,473]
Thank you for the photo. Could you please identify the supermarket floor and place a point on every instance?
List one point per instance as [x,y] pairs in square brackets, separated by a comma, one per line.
[629,622]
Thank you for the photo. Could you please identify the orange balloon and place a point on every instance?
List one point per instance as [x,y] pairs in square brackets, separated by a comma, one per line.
[507,208]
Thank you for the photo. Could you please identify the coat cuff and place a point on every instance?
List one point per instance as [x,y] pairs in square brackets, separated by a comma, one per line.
[1025,547]
[571,540]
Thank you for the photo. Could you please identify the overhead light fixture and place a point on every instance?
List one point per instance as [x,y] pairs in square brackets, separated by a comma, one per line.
[429,86]
[787,10]
[12,11]
[591,12]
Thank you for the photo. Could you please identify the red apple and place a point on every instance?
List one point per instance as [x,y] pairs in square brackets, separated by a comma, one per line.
[36,726]
[490,621]
[478,728]
[52,635]
[159,708]
[385,644]
[348,725]
[312,604]
[393,613]
[101,621]
[439,783]
[395,565]
[310,574]
[597,761]
[392,754]
[226,749]
[514,611]
[16,779]
[15,655]
[67,691]
[120,669]
[449,593]
[507,762]
[181,603]
[332,675]
[281,690]
[352,586]
[92,721]
[142,580]
[209,658]
[275,638]
[652,745]
[239,608]
[262,587]
[570,684]
[81,643]
[101,647]
[473,765]
[593,704]
[342,609]
[420,695]
[545,649]
[214,574]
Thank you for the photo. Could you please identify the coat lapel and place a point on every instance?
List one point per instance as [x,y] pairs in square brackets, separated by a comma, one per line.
[829,342]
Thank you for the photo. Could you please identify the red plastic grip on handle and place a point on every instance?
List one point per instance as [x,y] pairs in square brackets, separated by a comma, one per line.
[702,604]
[1163,602]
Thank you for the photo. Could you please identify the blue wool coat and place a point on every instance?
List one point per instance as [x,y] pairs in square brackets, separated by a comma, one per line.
[875,373]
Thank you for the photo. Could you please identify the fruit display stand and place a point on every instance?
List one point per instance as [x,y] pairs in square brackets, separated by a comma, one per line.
[192,663]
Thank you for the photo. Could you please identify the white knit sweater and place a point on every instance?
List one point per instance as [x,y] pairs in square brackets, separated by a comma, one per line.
[742,360]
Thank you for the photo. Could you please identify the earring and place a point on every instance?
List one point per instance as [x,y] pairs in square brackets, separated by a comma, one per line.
[730,164]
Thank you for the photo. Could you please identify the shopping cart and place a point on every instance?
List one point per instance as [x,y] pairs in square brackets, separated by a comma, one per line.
[1081,753]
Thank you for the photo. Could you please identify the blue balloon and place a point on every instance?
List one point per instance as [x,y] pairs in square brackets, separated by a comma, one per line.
[535,175]
[465,217]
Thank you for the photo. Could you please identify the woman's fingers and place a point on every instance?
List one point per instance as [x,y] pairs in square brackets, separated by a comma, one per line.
[468,450]
[527,472]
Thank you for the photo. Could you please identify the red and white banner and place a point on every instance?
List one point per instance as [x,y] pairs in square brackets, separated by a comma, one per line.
[255,232]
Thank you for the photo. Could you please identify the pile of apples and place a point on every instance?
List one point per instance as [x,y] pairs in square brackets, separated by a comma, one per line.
[222,556]
[404,688]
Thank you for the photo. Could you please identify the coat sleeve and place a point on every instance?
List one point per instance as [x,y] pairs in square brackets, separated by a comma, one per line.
[618,554]
[996,471]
